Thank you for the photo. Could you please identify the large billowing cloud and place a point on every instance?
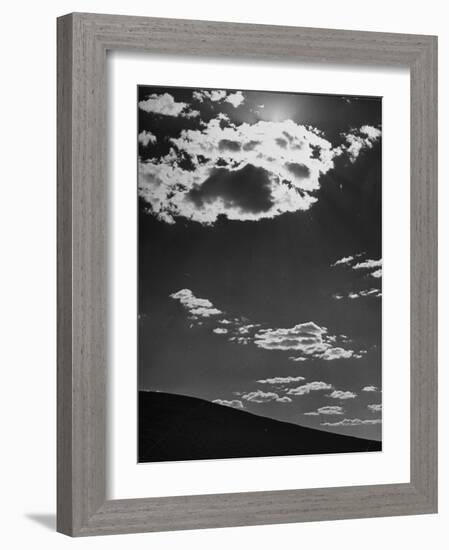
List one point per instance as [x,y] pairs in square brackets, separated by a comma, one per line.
[246,172]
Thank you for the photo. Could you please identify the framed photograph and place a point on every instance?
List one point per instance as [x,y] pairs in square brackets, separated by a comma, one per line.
[247,286]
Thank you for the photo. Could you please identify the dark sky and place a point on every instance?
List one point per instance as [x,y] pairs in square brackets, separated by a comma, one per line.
[260,253]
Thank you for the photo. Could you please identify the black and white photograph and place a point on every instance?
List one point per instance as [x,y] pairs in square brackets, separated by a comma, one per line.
[259,274]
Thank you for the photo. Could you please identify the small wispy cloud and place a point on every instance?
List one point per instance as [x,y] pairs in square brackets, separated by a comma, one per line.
[375,407]
[279,380]
[353,422]
[340,394]
[372,267]
[371,292]
[310,387]
[260,396]
[326,410]
[196,307]
[368,264]
[370,388]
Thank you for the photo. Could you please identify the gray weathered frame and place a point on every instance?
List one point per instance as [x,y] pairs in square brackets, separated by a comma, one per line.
[83,40]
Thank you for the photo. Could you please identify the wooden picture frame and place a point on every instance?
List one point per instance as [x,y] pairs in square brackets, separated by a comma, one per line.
[83,40]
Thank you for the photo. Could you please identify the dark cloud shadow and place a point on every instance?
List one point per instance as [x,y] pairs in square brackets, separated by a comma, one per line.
[248,189]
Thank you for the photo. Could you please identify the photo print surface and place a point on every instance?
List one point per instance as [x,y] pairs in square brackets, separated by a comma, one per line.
[259,274]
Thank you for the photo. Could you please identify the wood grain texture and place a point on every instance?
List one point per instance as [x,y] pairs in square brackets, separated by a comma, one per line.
[83,40]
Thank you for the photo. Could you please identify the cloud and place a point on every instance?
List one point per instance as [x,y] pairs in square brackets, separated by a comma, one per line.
[309,339]
[337,353]
[352,422]
[235,99]
[279,380]
[368,264]
[371,292]
[370,388]
[166,105]
[284,399]
[344,260]
[373,267]
[218,96]
[212,95]
[196,307]
[359,140]
[247,190]
[146,137]
[375,407]
[309,387]
[235,403]
[260,396]
[327,410]
[279,178]
[348,260]
[340,394]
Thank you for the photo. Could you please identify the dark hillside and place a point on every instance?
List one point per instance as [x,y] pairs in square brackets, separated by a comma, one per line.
[176,427]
